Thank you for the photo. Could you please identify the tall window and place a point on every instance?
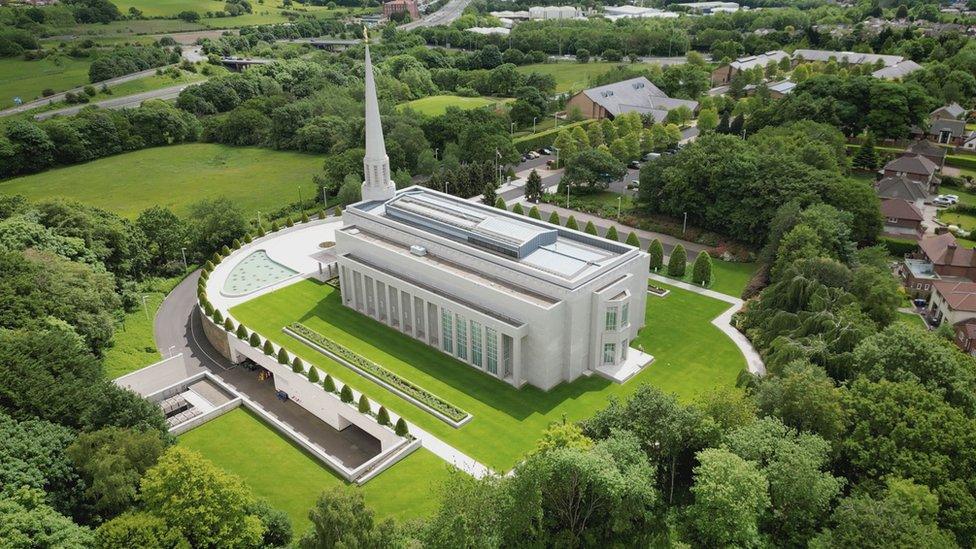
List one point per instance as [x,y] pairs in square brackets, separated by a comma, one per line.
[609,353]
[476,344]
[461,330]
[625,314]
[491,347]
[447,324]
[611,323]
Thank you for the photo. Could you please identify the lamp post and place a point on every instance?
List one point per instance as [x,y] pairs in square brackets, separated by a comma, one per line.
[512,132]
[534,118]
[299,196]
[325,198]
[619,202]
[555,120]
[436,150]
[185,266]
[259,218]
[145,308]
[684,226]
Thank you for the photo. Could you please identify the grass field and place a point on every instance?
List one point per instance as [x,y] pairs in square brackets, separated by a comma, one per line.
[134,345]
[437,104]
[964,221]
[911,319]
[507,421]
[291,479]
[131,87]
[570,76]
[256,179]
[27,79]
[155,8]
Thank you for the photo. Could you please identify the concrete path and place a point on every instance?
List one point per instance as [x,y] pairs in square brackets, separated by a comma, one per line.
[723,321]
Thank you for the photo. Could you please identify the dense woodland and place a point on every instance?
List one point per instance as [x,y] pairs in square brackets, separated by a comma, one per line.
[860,435]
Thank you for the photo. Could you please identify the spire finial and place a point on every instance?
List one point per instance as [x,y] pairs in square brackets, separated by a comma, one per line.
[365,34]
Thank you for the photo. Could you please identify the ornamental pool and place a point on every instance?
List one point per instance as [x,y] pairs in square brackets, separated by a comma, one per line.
[253,273]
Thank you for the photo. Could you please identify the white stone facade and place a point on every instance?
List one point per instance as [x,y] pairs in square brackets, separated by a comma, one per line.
[516,319]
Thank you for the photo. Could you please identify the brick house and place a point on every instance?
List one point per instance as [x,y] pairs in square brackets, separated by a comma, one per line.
[952,301]
[724,74]
[901,219]
[948,259]
[926,148]
[400,6]
[901,187]
[965,335]
[915,167]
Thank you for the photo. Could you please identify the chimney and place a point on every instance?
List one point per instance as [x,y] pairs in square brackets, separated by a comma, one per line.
[950,252]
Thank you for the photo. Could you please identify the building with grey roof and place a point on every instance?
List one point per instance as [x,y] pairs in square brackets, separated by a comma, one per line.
[953,110]
[724,73]
[897,71]
[854,58]
[519,299]
[634,95]
[948,131]
[899,186]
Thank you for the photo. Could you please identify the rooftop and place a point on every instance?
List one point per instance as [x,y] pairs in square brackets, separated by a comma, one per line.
[760,60]
[921,269]
[960,296]
[954,110]
[944,250]
[569,255]
[925,147]
[898,70]
[956,127]
[912,164]
[635,95]
[897,208]
[899,186]
[848,56]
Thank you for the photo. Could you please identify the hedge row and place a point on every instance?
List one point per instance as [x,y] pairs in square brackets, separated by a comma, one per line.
[544,138]
[429,399]
[898,247]
[960,161]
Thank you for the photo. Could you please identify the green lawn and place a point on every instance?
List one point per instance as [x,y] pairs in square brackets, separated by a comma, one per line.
[507,422]
[571,76]
[154,8]
[27,79]
[291,479]
[132,87]
[911,319]
[437,104]
[256,179]
[964,221]
[729,278]
[133,344]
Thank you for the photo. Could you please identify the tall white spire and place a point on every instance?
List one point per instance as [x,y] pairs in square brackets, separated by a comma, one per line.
[376,164]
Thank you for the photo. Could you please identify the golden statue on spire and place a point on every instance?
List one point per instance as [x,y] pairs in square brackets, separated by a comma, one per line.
[365,34]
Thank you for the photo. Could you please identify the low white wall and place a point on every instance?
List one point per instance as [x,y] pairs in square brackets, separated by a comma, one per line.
[203,418]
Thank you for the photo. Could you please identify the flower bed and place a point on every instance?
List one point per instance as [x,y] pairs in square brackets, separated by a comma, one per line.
[373,370]
[657,290]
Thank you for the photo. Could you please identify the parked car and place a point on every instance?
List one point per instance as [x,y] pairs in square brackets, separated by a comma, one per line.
[634,165]
[954,198]
[532,154]
[651,156]
[546,151]
[942,202]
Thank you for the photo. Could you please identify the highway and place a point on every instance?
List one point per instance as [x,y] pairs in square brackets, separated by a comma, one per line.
[128,101]
[444,16]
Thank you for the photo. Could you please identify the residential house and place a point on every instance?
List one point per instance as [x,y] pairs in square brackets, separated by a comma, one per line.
[916,167]
[635,95]
[903,188]
[401,6]
[952,111]
[902,219]
[965,335]
[897,71]
[969,142]
[918,275]
[724,74]
[926,148]
[947,257]
[948,131]
[952,301]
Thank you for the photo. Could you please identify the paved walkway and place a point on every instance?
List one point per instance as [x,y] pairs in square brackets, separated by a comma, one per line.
[723,321]
[602,225]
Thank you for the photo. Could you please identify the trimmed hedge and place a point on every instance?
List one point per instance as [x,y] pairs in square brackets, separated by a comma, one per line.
[960,161]
[544,138]
[898,247]
[379,372]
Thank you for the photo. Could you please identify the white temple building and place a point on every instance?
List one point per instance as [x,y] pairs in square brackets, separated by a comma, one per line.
[517,298]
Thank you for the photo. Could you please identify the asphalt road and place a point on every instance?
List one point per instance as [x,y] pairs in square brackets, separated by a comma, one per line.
[444,16]
[177,329]
[128,101]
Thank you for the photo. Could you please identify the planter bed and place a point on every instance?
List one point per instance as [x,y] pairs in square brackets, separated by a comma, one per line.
[657,290]
[367,368]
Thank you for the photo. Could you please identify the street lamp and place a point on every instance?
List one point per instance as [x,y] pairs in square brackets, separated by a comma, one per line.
[436,150]
[145,308]
[534,118]
[684,225]
[185,266]
[555,120]
[259,218]
[619,199]
[513,128]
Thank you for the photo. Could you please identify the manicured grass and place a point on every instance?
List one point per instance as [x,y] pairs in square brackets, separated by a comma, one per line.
[291,479]
[911,319]
[964,221]
[177,176]
[132,87]
[27,79]
[436,105]
[692,356]
[133,343]
[154,8]
[728,277]
[571,76]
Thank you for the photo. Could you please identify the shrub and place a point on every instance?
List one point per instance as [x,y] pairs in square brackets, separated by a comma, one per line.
[500,204]
[656,251]
[282,356]
[554,218]
[534,213]
[346,394]
[237,243]
[572,224]
[401,428]
[378,372]
[701,272]
[260,230]
[590,228]
[322,213]
[313,374]
[207,267]
[289,222]
[225,251]
[248,238]
[328,383]
[228,324]
[383,417]
[241,332]
[275,227]
[898,247]
[364,407]
[215,258]
[337,211]
[612,234]
[633,240]
[517,209]
[268,348]
[218,318]
[677,263]
[254,339]
[304,217]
